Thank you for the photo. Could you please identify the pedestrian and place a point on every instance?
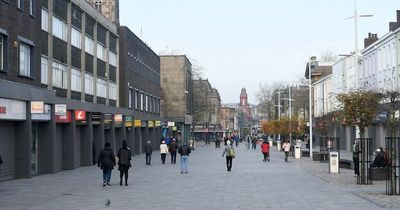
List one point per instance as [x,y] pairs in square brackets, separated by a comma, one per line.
[148,149]
[93,153]
[248,141]
[356,154]
[106,162]
[173,146]
[286,149]
[254,142]
[124,162]
[163,151]
[265,150]
[229,153]
[184,151]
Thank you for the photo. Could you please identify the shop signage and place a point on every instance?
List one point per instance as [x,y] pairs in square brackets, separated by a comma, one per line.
[96,118]
[144,123]
[171,124]
[80,115]
[138,123]
[64,118]
[118,120]
[37,107]
[157,123]
[12,109]
[108,118]
[60,109]
[150,124]
[174,128]
[128,121]
[43,116]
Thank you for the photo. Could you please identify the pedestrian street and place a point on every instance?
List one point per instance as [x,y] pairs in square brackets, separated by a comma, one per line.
[252,184]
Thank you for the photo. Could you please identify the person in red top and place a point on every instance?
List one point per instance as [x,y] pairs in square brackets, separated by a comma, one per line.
[265,150]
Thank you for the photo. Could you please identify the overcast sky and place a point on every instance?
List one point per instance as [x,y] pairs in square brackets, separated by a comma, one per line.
[245,43]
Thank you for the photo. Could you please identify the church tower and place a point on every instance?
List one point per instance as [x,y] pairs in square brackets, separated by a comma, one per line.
[243,98]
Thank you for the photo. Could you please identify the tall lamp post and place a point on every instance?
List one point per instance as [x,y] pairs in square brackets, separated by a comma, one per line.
[290,99]
[356,16]
[310,108]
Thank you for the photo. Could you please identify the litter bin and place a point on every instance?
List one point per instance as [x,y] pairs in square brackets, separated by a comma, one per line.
[271,143]
[297,151]
[278,145]
[334,162]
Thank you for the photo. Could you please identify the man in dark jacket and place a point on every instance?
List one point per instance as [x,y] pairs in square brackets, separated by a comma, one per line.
[173,146]
[184,151]
[106,162]
[124,162]
[148,149]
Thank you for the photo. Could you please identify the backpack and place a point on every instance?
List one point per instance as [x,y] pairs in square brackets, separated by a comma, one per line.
[231,152]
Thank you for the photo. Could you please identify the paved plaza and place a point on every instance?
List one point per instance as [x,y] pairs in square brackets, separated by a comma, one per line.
[252,184]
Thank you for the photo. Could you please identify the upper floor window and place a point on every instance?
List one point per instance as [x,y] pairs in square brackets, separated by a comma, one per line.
[89,81]
[89,45]
[25,60]
[32,7]
[101,52]
[45,20]
[112,58]
[59,29]
[20,4]
[130,98]
[136,99]
[141,102]
[112,91]
[75,38]
[76,80]
[2,46]
[44,66]
[59,75]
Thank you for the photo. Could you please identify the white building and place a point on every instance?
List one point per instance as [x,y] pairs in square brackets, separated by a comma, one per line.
[324,97]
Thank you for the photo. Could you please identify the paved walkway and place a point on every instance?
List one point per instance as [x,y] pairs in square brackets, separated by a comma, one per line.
[252,184]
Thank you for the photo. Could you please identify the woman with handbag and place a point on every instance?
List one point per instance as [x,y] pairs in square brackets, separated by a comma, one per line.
[229,153]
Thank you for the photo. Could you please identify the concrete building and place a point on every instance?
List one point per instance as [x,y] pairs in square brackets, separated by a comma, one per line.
[176,95]
[140,87]
[109,8]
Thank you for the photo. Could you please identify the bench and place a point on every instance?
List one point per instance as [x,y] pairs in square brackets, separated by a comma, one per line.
[305,153]
[344,163]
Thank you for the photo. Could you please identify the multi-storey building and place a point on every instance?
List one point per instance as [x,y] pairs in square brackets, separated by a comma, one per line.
[176,94]
[109,8]
[140,87]
[227,117]
[59,99]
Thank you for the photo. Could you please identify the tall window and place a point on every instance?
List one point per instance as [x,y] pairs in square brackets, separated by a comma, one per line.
[32,7]
[76,38]
[112,58]
[24,60]
[2,46]
[101,87]
[130,98]
[141,102]
[101,52]
[20,4]
[112,91]
[136,99]
[59,29]
[59,75]
[45,20]
[147,103]
[89,45]
[43,70]
[76,80]
[89,80]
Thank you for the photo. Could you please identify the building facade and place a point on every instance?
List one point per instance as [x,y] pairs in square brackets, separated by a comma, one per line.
[140,87]
[176,95]
[109,8]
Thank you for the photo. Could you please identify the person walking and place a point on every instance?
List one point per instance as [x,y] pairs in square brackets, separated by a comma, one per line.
[286,149]
[163,151]
[173,146]
[184,151]
[229,153]
[106,162]
[254,143]
[124,162]
[265,150]
[93,153]
[356,155]
[248,141]
[148,149]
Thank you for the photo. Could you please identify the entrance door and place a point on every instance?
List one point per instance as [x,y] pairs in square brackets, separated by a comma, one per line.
[35,149]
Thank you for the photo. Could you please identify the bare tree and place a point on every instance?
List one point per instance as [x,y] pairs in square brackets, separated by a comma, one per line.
[197,69]
[328,55]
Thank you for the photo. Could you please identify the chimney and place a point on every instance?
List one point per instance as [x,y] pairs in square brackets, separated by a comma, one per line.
[394,25]
[370,39]
[98,5]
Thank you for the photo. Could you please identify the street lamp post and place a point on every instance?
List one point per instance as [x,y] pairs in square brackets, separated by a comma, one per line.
[290,99]
[310,107]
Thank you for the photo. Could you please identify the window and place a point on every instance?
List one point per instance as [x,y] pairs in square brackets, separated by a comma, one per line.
[101,88]
[32,7]
[43,69]
[76,80]
[76,38]
[130,98]
[89,45]
[59,29]
[112,58]
[89,84]
[59,75]
[20,4]
[136,99]
[147,103]
[24,60]
[141,102]
[101,52]
[112,91]
[45,20]
[2,46]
